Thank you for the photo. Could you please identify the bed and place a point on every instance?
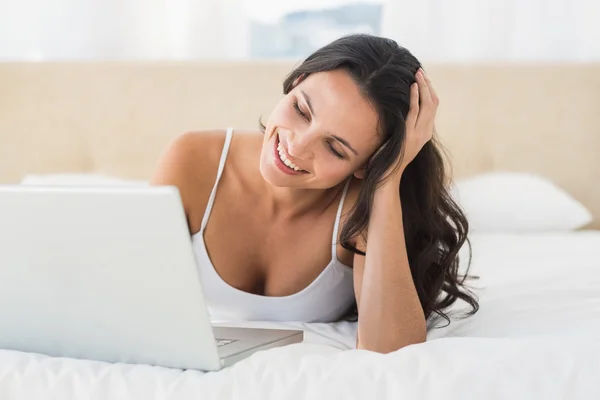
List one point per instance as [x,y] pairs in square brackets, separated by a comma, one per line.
[535,337]
[536,334]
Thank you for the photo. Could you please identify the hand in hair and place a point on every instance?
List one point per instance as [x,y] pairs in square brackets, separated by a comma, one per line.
[419,122]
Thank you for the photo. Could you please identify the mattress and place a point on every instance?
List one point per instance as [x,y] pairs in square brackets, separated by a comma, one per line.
[535,337]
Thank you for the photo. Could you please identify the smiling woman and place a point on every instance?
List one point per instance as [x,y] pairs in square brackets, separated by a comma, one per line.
[338,204]
[325,126]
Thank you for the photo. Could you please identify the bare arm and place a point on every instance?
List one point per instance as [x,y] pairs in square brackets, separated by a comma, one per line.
[390,313]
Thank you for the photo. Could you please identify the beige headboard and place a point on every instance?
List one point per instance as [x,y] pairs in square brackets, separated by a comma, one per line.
[115,118]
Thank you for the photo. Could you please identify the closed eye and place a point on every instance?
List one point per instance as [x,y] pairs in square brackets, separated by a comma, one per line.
[301,113]
[334,151]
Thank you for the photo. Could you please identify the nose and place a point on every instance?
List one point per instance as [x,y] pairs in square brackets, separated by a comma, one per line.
[299,145]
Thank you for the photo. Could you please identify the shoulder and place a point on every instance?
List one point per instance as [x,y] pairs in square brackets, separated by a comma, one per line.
[190,150]
[189,158]
[190,162]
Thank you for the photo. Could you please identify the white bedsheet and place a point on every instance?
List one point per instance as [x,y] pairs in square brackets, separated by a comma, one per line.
[535,337]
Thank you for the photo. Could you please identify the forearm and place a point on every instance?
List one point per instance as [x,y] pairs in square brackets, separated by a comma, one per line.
[390,314]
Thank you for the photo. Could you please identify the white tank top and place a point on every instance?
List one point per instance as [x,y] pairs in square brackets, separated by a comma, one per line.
[328,298]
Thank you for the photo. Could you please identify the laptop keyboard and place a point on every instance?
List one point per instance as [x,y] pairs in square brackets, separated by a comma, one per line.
[224,342]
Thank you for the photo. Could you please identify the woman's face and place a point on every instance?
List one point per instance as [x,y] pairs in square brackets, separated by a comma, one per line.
[319,134]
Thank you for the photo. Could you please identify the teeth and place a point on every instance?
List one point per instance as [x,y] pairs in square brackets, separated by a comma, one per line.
[286,160]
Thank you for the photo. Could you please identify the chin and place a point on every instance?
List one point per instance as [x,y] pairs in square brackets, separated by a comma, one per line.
[267,175]
[275,178]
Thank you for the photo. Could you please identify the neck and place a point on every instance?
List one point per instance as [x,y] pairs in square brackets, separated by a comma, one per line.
[290,203]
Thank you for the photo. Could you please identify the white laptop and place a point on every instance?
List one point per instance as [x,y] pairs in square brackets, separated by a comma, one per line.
[109,274]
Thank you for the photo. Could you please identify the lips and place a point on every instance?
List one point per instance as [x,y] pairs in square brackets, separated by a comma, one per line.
[280,164]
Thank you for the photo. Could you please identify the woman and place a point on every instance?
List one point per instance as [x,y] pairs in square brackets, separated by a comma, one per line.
[338,204]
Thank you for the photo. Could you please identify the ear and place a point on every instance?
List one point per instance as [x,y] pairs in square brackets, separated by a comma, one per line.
[362,171]
[360,174]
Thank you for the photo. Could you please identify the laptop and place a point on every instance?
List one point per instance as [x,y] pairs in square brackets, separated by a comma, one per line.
[109,274]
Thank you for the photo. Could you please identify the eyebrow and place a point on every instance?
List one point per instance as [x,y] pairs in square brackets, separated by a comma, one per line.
[339,139]
[307,99]
[345,143]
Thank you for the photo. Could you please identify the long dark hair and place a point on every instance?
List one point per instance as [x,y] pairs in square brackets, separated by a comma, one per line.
[435,227]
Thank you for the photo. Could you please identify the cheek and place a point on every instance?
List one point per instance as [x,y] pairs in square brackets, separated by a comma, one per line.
[332,170]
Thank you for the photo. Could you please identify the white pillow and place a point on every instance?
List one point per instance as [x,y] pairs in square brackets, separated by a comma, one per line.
[518,202]
[77,179]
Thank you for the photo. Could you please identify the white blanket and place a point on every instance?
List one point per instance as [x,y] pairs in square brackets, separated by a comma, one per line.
[535,337]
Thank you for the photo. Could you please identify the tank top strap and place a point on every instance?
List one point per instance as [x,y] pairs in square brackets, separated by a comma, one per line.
[213,193]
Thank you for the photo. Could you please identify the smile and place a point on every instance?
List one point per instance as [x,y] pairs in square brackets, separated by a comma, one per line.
[283,162]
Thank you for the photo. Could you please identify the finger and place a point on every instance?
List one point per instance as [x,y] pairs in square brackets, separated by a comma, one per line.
[426,107]
[434,96]
[436,102]
[413,111]
[424,93]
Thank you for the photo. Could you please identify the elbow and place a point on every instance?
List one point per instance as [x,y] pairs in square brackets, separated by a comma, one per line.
[390,345]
